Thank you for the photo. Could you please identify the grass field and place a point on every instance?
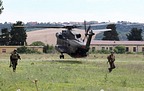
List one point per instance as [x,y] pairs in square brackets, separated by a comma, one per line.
[46,72]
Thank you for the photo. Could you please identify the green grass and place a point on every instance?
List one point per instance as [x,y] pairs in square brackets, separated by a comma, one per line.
[83,74]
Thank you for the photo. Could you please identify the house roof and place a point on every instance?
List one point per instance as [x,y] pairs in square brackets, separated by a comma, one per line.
[102,42]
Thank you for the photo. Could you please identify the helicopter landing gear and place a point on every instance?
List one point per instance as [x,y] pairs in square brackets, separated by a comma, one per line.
[61,56]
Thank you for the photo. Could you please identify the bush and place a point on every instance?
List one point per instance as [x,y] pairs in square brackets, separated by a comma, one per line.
[37,43]
[120,49]
[103,51]
[48,49]
[26,50]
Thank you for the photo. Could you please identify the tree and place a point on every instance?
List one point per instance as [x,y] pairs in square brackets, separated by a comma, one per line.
[18,34]
[5,36]
[1,7]
[111,35]
[135,35]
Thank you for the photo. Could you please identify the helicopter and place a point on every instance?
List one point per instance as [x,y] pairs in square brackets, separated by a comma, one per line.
[70,42]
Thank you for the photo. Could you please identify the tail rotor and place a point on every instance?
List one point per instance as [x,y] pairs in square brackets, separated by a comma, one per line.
[86,30]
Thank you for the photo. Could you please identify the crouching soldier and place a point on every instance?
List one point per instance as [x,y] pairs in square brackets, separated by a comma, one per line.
[14,59]
[111,59]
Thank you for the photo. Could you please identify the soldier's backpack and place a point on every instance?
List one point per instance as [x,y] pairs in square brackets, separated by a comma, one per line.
[14,56]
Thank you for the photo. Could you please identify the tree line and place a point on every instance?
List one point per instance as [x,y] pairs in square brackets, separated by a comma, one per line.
[135,34]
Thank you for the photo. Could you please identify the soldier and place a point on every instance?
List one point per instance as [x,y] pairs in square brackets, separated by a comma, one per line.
[111,59]
[14,59]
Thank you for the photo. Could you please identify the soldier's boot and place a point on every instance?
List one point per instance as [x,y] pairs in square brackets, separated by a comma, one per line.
[113,67]
[14,69]
[109,69]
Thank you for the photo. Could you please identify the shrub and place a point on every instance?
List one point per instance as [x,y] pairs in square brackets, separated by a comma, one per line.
[48,49]
[103,51]
[37,43]
[120,49]
[26,50]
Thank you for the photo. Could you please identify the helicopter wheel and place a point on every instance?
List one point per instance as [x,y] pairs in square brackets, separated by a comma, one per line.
[61,56]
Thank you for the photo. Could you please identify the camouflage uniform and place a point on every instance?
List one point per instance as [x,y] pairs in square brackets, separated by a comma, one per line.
[111,59]
[14,59]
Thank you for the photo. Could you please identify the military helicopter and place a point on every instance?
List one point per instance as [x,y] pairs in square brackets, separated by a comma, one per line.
[70,42]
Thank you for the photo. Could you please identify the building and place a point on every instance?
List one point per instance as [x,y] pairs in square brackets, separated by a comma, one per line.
[9,49]
[131,46]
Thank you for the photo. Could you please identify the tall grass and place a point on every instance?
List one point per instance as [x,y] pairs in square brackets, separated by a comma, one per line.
[46,72]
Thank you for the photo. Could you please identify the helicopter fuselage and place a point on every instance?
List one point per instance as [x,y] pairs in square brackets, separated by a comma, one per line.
[72,44]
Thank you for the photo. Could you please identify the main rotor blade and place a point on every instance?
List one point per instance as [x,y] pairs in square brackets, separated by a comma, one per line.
[67,27]
[101,24]
[38,27]
[101,30]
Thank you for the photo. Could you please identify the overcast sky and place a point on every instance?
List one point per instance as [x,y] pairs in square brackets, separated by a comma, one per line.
[72,10]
